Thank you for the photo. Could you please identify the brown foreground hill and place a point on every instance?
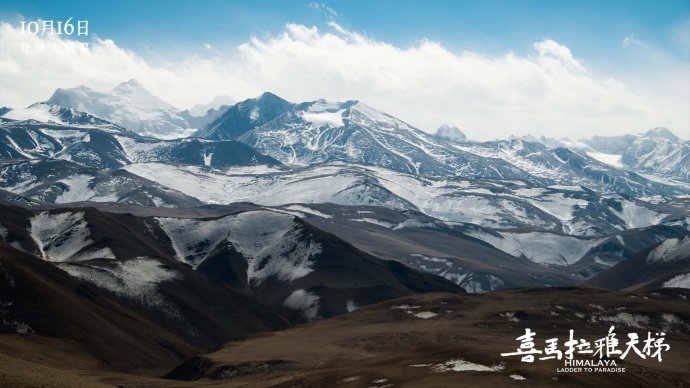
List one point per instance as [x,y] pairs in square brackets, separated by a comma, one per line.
[424,340]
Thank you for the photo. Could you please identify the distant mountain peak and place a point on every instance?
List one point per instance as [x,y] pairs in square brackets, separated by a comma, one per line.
[131,86]
[268,96]
[663,133]
[63,97]
[245,116]
[265,99]
[216,103]
[450,132]
[268,101]
[80,87]
[129,105]
[132,82]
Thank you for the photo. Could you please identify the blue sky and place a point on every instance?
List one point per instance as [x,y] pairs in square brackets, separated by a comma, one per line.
[493,68]
[594,29]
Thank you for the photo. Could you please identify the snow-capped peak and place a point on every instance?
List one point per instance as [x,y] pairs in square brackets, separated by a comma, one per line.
[662,133]
[131,87]
[450,132]
[265,108]
[244,116]
[128,104]
[267,96]
[132,83]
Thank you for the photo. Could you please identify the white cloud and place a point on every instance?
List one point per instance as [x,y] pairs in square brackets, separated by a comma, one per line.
[549,92]
[631,41]
[551,50]
[207,46]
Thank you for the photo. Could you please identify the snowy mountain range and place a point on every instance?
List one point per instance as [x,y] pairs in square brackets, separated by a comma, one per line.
[577,206]
[322,131]
[658,152]
[109,146]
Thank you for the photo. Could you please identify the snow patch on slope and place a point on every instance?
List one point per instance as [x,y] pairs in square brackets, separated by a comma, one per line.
[351,306]
[272,243]
[308,210]
[5,237]
[375,222]
[304,301]
[3,232]
[136,279]
[65,136]
[539,247]
[457,365]
[432,259]
[38,112]
[413,223]
[566,188]
[324,113]
[680,281]
[636,216]
[17,326]
[670,250]
[610,159]
[138,151]
[631,320]
[79,189]
[65,237]
[425,314]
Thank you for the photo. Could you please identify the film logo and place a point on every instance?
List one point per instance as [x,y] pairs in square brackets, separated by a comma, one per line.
[601,353]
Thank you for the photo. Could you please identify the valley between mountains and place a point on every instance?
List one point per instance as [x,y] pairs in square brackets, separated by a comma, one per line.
[272,243]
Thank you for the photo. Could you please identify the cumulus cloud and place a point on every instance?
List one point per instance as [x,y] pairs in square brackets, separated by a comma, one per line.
[548,92]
